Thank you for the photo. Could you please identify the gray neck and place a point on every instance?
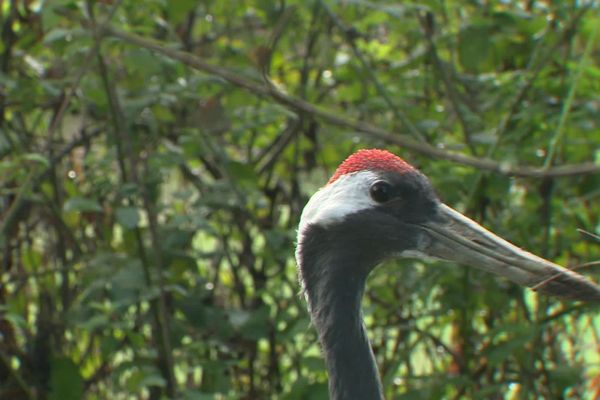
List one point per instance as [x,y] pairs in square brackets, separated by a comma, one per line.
[334,289]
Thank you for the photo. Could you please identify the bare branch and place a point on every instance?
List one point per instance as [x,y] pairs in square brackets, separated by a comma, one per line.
[335,118]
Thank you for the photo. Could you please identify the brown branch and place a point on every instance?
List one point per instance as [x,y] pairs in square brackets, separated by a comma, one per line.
[336,119]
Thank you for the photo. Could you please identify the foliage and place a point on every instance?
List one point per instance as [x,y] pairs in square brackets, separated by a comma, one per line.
[149,208]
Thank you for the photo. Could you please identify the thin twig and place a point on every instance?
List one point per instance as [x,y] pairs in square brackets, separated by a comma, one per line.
[590,234]
[553,277]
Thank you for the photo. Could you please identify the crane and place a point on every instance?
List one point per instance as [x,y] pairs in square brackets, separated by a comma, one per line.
[377,206]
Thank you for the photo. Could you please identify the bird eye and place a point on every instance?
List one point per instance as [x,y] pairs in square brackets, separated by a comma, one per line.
[380,191]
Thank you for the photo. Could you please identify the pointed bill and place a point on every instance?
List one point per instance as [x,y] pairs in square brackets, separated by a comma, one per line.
[457,238]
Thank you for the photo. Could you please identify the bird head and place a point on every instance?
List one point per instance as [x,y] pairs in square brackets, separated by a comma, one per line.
[377,206]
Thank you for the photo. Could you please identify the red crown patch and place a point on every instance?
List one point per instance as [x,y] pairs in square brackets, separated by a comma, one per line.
[371,159]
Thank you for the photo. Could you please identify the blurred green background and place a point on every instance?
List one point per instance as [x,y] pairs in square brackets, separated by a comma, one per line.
[155,157]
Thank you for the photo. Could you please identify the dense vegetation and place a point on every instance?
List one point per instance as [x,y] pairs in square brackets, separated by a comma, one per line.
[155,157]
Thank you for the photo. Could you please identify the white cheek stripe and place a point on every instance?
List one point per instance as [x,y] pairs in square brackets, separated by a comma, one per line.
[332,203]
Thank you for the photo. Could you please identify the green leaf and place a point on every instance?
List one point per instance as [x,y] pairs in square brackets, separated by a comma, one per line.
[130,277]
[474,47]
[216,377]
[38,158]
[81,204]
[314,363]
[178,9]
[565,376]
[238,318]
[253,325]
[57,34]
[146,63]
[243,174]
[66,382]
[127,217]
[191,394]
[519,336]
[96,321]
[144,377]
[50,12]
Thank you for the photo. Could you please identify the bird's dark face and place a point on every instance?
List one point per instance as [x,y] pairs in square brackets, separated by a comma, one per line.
[377,206]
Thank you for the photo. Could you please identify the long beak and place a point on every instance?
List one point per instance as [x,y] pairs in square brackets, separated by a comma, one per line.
[457,238]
